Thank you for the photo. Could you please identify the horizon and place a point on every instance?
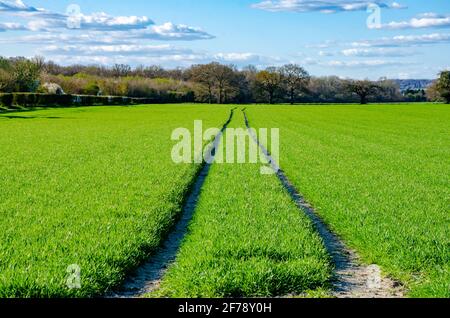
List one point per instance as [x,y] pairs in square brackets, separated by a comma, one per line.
[410,40]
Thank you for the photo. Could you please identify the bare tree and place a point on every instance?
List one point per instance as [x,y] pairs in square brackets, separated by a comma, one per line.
[363,89]
[295,78]
[121,70]
[204,74]
[39,61]
[223,76]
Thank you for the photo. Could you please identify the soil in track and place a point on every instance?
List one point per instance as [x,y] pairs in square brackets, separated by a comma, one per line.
[351,278]
[147,278]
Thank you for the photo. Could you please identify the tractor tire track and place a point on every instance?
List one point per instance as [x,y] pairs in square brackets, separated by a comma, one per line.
[350,278]
[147,278]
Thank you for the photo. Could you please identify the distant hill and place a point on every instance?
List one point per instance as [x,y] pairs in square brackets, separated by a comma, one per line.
[413,84]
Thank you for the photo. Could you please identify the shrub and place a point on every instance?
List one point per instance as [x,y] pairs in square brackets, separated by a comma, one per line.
[91,89]
[6,100]
[24,99]
[52,100]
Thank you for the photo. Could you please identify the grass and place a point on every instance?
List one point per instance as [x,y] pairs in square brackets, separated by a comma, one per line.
[94,187]
[379,176]
[247,239]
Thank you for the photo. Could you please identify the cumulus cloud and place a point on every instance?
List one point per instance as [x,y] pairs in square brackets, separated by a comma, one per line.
[139,27]
[405,40]
[166,60]
[361,64]
[41,19]
[166,32]
[324,6]
[16,6]
[165,55]
[97,21]
[122,50]
[11,27]
[377,52]
[427,20]
[170,31]
[19,8]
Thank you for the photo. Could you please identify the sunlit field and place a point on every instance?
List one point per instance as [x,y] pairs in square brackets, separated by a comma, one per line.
[96,188]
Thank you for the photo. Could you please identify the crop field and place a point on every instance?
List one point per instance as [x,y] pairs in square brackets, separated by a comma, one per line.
[380,178]
[95,189]
[247,239]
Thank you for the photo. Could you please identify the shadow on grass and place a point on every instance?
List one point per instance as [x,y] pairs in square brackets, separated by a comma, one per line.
[31,117]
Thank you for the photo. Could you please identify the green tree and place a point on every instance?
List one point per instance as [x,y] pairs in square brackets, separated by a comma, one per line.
[26,76]
[6,81]
[269,81]
[443,86]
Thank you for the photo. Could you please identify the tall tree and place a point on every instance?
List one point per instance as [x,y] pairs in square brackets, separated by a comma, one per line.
[224,76]
[295,78]
[443,85]
[269,81]
[363,89]
[204,74]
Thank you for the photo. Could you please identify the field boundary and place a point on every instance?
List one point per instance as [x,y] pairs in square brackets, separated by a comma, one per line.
[147,277]
[350,279]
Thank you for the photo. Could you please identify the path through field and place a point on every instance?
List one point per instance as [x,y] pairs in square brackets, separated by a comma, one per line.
[351,279]
[147,278]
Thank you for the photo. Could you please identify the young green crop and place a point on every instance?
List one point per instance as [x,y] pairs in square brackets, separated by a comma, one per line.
[379,176]
[94,187]
[247,239]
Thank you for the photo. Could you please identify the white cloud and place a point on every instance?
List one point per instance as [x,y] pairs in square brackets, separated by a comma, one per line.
[138,27]
[16,6]
[166,32]
[405,40]
[376,52]
[165,55]
[324,6]
[170,31]
[99,21]
[325,53]
[9,26]
[122,50]
[165,60]
[427,20]
[361,64]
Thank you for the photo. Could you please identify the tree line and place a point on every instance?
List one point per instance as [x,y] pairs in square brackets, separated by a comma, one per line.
[206,83]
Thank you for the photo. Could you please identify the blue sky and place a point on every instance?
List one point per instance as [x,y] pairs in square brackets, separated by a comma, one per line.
[341,37]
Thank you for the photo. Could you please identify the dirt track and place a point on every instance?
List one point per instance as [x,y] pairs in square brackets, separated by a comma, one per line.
[351,278]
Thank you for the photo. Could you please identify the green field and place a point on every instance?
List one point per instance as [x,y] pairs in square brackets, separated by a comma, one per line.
[97,187]
[380,177]
[94,187]
[247,239]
